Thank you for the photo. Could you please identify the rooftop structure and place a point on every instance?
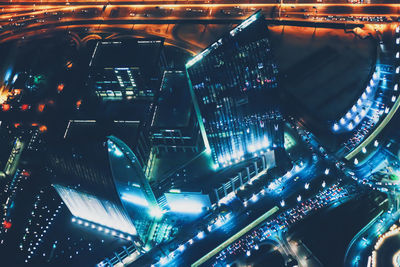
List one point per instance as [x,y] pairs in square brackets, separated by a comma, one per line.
[126,69]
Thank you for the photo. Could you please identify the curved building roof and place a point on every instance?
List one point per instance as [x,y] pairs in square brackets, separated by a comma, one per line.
[105,184]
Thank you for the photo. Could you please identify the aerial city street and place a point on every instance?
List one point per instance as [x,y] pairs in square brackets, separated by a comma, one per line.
[200,133]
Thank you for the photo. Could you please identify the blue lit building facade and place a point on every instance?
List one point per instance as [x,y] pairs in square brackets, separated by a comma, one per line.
[233,85]
[105,187]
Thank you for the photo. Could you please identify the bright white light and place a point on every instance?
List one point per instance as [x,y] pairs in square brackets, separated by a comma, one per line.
[357,119]
[397,70]
[371,82]
[248,253]
[256,247]
[363,112]
[186,204]
[163,260]
[354,108]
[254,198]
[135,199]
[114,233]
[364,96]
[156,212]
[355,161]
[397,55]
[323,183]
[106,231]
[396,87]
[397,40]
[342,121]
[86,224]
[100,228]
[299,198]
[375,75]
[283,203]
[80,222]
[350,126]
[181,248]
[117,152]
[348,115]
[251,148]
[359,102]
[306,186]
[368,89]
[376,143]
[393,98]
[327,171]
[335,127]
[73,220]
[364,150]
[200,235]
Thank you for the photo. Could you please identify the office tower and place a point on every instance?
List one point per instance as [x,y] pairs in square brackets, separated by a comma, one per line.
[233,85]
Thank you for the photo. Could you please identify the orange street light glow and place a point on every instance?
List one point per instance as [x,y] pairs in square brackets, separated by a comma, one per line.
[41,107]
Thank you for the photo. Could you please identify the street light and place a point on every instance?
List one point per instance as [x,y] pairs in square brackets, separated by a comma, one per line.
[299,198]
[376,143]
[323,183]
[306,186]
[283,203]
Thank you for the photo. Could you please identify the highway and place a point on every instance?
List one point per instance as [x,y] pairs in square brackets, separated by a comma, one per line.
[23,19]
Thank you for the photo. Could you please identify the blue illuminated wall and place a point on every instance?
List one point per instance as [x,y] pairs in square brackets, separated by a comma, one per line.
[233,84]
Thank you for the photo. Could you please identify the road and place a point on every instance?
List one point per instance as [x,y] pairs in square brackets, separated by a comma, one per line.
[360,247]
[29,18]
[288,189]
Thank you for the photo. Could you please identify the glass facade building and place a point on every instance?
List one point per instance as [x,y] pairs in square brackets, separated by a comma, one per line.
[233,85]
[106,185]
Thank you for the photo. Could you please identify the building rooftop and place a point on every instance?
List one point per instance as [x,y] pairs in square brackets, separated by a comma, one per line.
[175,105]
[127,53]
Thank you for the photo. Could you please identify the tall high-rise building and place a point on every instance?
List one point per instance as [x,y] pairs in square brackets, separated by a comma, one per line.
[104,186]
[233,85]
[127,69]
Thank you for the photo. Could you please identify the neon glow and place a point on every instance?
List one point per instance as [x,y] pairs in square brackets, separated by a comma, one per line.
[93,209]
[137,200]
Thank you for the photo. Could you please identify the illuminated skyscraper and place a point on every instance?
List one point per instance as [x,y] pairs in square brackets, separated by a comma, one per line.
[105,186]
[233,86]
[126,69]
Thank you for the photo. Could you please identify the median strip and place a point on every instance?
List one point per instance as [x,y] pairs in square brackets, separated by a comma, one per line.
[236,236]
